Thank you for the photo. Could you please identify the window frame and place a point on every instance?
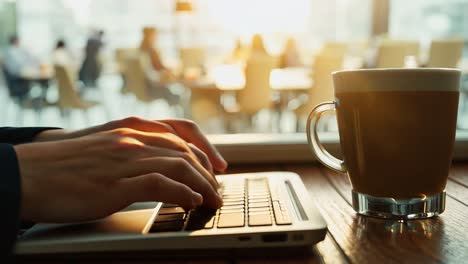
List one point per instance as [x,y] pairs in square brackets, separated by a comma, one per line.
[293,148]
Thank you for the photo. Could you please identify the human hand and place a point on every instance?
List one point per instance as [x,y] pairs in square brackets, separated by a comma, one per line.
[93,176]
[185,129]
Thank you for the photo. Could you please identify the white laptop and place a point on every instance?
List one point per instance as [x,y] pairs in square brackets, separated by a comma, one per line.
[261,211]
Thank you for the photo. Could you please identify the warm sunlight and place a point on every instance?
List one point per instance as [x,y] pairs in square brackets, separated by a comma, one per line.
[244,18]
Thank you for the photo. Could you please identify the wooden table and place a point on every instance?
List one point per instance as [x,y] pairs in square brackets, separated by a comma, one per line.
[34,74]
[230,78]
[352,238]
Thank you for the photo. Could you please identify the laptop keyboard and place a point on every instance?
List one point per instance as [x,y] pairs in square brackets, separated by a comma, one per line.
[246,202]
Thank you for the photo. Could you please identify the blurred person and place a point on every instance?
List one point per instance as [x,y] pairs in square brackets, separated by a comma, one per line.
[258,47]
[290,56]
[157,75]
[57,176]
[91,67]
[61,55]
[18,59]
[147,46]
[238,54]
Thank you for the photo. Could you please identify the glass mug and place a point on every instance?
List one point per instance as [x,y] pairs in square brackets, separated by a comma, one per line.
[397,133]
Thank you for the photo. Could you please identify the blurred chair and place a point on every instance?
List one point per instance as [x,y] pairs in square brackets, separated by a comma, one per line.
[257,93]
[69,98]
[144,85]
[392,53]
[334,48]
[322,89]
[206,106]
[18,95]
[17,89]
[192,58]
[135,77]
[445,53]
[121,55]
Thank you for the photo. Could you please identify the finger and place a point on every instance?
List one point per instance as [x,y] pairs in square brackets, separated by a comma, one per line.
[191,133]
[139,124]
[202,158]
[157,187]
[173,143]
[185,129]
[180,170]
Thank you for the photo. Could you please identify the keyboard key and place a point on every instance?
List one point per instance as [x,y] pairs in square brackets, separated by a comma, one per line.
[232,196]
[235,210]
[237,206]
[259,195]
[260,209]
[233,193]
[201,218]
[254,205]
[241,200]
[231,220]
[167,226]
[233,203]
[281,217]
[170,217]
[172,210]
[259,213]
[260,220]
[259,200]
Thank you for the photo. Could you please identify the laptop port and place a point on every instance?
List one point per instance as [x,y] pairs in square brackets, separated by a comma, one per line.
[244,238]
[281,237]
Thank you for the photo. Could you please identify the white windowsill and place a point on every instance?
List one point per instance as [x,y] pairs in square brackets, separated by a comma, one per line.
[281,148]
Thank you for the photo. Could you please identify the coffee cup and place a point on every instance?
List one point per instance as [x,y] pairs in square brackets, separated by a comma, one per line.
[397,134]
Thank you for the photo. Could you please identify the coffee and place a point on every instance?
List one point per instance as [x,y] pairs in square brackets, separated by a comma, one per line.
[397,133]
[397,143]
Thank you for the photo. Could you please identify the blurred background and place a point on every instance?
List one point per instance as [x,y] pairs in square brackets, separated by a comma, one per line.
[256,66]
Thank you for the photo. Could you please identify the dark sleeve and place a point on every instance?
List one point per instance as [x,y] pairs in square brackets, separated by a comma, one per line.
[12,135]
[10,185]
[10,196]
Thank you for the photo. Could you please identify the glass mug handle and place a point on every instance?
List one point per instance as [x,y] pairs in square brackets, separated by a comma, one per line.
[313,140]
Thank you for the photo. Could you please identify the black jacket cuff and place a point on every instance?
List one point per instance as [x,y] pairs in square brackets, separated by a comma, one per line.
[10,195]
[14,136]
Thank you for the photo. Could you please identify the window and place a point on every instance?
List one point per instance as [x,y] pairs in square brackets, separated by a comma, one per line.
[215,26]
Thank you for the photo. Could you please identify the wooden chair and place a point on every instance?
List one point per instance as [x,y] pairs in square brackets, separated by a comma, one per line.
[445,53]
[146,88]
[205,106]
[69,98]
[121,55]
[334,48]
[322,89]
[192,58]
[257,93]
[392,54]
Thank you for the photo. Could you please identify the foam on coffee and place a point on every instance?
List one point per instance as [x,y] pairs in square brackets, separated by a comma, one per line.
[418,79]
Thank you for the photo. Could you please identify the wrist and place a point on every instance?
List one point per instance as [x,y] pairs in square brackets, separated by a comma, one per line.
[51,135]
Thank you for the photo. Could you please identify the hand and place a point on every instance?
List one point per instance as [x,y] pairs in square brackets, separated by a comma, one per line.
[185,129]
[93,176]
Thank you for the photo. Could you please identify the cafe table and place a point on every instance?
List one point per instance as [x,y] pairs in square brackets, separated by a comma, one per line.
[38,75]
[230,78]
[352,238]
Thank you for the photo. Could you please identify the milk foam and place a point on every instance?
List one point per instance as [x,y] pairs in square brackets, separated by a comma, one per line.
[415,79]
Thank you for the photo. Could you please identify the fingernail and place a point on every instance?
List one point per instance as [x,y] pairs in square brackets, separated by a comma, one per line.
[221,158]
[198,198]
[220,200]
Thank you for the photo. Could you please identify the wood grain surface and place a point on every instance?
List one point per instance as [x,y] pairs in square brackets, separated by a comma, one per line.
[352,238]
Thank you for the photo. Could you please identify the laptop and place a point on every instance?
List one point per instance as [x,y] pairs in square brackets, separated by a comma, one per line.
[266,210]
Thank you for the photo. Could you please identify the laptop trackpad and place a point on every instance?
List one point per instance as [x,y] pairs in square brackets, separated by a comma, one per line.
[131,220]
